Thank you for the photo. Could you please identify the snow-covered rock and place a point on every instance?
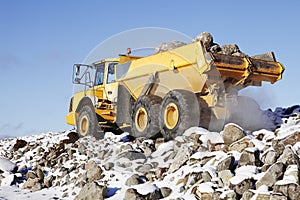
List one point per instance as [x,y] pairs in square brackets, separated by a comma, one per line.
[232,133]
[232,164]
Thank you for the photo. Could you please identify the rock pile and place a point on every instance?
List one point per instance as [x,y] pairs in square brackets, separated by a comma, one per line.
[232,164]
[165,46]
[207,40]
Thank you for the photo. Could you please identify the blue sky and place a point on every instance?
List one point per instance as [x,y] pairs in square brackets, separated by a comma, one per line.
[41,40]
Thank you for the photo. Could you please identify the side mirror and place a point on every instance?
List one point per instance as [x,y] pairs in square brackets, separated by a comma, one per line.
[77,70]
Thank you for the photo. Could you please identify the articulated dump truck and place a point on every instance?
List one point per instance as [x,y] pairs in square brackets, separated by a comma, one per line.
[165,93]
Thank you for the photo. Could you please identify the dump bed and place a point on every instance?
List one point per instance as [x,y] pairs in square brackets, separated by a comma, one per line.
[190,67]
[248,68]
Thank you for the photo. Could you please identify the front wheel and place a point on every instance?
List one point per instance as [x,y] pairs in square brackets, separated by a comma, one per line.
[87,123]
[179,111]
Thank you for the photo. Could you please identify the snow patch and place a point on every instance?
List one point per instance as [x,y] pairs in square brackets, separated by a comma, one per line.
[145,188]
[7,165]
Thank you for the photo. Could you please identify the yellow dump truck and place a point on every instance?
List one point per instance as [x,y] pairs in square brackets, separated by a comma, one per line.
[164,93]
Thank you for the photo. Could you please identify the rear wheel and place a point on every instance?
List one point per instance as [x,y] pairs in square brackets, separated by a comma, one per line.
[179,111]
[145,122]
[87,123]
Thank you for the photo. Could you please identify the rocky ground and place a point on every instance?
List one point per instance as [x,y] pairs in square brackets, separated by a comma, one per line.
[232,164]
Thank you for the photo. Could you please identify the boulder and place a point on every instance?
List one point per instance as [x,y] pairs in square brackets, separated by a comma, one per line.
[36,187]
[91,191]
[181,157]
[19,144]
[288,189]
[108,165]
[132,155]
[125,165]
[139,193]
[193,178]
[94,174]
[48,181]
[165,192]
[132,193]
[228,194]
[278,196]
[250,156]
[272,175]
[269,157]
[226,163]
[158,142]
[205,37]
[126,147]
[232,133]
[240,145]
[283,139]
[224,176]
[147,151]
[240,184]
[135,179]
[247,195]
[40,174]
[231,49]
[160,171]
[213,141]
[166,46]
[289,157]
[90,165]
[194,138]
[203,191]
[144,169]
[265,167]
[261,196]
[31,174]
[292,173]
[30,183]
[216,195]
[206,176]
[73,137]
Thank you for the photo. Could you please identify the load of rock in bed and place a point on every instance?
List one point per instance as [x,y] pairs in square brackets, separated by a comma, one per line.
[207,40]
[232,164]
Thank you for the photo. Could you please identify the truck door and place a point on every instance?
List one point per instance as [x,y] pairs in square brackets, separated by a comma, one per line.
[99,82]
[111,85]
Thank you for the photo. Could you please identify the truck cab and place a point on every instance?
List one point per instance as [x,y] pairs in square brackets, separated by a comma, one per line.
[92,107]
[94,85]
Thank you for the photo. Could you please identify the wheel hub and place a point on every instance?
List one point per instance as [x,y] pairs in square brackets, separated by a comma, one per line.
[84,125]
[171,115]
[141,119]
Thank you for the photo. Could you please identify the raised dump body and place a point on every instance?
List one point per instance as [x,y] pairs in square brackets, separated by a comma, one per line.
[190,66]
[170,91]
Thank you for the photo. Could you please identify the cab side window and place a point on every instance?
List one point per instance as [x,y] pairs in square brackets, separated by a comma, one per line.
[99,80]
[111,73]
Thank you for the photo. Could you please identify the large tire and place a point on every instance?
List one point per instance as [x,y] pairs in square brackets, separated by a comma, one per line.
[179,111]
[145,122]
[87,123]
